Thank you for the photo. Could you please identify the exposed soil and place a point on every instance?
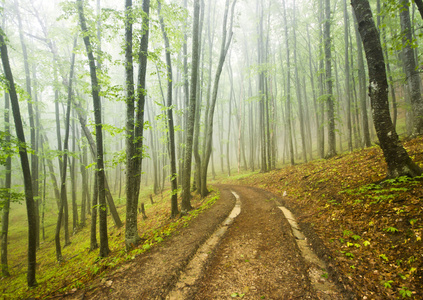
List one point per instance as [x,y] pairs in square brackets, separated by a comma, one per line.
[367,229]
[257,258]
[152,274]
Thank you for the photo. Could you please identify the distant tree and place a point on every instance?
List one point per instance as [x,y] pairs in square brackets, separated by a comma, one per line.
[63,191]
[330,102]
[412,76]
[30,203]
[208,131]
[186,173]
[288,112]
[171,129]
[8,185]
[397,159]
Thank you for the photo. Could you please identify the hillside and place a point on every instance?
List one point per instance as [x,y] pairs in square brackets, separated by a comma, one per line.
[368,229]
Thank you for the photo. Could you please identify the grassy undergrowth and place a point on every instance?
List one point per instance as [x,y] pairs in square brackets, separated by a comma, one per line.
[372,228]
[80,265]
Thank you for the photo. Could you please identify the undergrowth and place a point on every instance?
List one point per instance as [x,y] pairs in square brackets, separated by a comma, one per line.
[80,265]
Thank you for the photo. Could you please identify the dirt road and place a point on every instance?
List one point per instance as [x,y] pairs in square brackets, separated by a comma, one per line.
[257,258]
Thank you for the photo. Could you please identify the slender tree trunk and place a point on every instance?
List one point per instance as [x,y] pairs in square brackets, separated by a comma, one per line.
[288,91]
[298,89]
[226,41]
[329,83]
[63,193]
[92,145]
[84,192]
[186,174]
[104,244]
[29,199]
[321,79]
[171,130]
[44,140]
[31,113]
[412,76]
[8,185]
[362,87]
[141,93]
[73,181]
[94,208]
[347,77]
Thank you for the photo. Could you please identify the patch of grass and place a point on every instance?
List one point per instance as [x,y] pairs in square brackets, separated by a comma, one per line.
[80,265]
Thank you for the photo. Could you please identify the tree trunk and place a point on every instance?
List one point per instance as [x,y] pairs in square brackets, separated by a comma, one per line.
[329,83]
[362,88]
[8,185]
[29,199]
[72,166]
[288,91]
[92,145]
[208,137]
[298,89]
[397,159]
[347,77]
[412,76]
[186,175]
[63,193]
[104,244]
[171,130]
[94,208]
[33,128]
[131,231]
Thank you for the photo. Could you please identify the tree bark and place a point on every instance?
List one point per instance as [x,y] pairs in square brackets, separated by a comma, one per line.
[186,174]
[29,199]
[8,185]
[288,91]
[31,113]
[92,145]
[298,89]
[208,138]
[95,87]
[329,83]
[396,157]
[362,87]
[412,76]
[63,193]
[347,77]
[171,130]
[131,231]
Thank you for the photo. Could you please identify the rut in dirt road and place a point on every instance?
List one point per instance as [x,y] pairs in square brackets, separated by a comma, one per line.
[258,257]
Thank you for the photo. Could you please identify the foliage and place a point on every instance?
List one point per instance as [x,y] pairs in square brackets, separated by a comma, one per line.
[81,266]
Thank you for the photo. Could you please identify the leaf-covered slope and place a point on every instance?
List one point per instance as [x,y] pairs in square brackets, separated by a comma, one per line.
[371,228]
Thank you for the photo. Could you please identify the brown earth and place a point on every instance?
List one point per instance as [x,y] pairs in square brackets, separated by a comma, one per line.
[257,258]
[152,274]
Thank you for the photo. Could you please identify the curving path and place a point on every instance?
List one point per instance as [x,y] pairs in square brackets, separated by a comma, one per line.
[258,257]
[250,255]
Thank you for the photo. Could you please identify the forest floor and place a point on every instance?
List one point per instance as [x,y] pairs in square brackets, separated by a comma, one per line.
[365,229]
